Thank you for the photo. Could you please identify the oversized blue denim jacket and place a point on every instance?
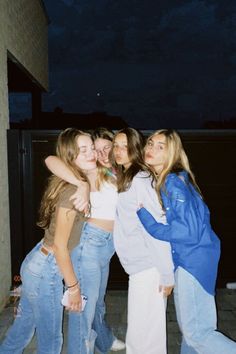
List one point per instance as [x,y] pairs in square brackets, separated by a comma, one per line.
[195,246]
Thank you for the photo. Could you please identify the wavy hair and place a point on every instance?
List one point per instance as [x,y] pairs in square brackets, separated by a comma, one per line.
[176,160]
[67,150]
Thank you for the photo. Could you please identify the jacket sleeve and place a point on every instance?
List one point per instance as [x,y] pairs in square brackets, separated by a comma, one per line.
[154,228]
[183,223]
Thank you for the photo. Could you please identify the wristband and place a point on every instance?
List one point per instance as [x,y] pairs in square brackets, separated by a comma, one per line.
[71,286]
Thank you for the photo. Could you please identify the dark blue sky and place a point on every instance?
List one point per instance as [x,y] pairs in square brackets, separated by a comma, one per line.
[169,63]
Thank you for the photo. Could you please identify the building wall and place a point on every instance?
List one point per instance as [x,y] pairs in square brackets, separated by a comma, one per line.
[23,36]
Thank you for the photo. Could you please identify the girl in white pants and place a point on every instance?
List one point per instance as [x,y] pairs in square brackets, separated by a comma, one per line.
[149,264]
[146,314]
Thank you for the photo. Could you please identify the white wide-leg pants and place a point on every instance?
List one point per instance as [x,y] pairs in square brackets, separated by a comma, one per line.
[146,332]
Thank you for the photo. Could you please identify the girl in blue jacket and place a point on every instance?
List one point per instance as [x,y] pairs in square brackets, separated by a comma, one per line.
[195,246]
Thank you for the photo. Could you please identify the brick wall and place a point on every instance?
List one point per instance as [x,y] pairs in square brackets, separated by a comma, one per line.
[23,35]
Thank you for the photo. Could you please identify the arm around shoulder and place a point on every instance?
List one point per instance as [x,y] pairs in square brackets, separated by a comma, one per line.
[154,228]
[58,168]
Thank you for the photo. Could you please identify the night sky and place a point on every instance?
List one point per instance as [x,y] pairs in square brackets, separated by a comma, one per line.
[169,63]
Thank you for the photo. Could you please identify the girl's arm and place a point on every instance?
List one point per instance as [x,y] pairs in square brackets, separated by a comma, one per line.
[183,224]
[58,168]
[64,222]
[153,227]
[81,197]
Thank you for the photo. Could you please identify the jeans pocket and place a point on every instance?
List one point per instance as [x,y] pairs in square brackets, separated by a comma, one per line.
[32,272]
[35,263]
[30,283]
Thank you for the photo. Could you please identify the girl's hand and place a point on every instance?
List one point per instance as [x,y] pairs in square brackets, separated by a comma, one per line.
[81,198]
[75,301]
[167,290]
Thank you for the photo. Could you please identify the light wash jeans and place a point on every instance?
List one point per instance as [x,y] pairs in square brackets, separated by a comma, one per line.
[39,308]
[91,259]
[197,318]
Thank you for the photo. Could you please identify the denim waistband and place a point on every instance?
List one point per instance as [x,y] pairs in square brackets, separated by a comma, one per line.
[93,228]
[50,256]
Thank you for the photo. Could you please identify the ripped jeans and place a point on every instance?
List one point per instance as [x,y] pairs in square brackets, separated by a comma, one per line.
[91,259]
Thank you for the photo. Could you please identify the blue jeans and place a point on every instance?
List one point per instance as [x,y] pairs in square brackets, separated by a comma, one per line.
[197,318]
[39,308]
[91,260]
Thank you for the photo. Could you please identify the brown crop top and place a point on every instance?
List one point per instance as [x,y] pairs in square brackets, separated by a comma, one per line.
[64,202]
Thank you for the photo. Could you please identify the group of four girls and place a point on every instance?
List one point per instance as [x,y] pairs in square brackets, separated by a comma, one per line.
[136,191]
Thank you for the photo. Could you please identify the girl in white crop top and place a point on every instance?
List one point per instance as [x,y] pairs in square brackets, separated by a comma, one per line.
[92,256]
[103,202]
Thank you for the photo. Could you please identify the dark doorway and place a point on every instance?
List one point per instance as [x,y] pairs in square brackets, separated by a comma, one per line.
[24,94]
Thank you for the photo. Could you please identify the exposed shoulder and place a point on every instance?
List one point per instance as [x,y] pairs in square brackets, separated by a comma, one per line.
[109,185]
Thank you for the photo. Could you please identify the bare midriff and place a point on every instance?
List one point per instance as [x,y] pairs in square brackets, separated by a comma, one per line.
[103,224]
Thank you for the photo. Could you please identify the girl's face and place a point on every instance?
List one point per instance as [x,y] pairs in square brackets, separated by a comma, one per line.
[155,152]
[87,158]
[103,147]
[120,150]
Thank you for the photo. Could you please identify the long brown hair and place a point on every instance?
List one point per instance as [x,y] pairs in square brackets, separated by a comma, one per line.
[176,160]
[135,146]
[67,150]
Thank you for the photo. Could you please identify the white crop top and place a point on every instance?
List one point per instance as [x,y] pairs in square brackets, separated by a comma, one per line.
[103,202]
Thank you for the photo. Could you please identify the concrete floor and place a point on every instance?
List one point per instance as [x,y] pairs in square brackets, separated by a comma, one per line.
[116,317]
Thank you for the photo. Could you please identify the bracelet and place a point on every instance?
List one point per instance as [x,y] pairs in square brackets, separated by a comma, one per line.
[74,291]
[71,286]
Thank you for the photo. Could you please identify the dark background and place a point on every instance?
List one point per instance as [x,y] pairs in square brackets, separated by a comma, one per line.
[168,63]
[27,150]
[149,64]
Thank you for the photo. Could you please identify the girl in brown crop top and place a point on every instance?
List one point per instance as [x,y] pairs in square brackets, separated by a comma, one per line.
[92,256]
[49,262]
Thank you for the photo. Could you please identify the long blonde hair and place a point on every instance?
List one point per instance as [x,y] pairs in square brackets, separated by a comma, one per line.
[67,150]
[176,160]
